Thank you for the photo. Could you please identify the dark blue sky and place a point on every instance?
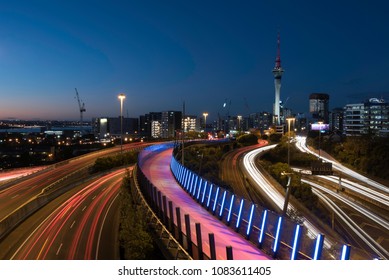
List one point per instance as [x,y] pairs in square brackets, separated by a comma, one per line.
[161,53]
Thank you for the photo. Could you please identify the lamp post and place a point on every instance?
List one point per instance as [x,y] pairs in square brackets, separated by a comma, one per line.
[320,123]
[121,97]
[287,195]
[205,121]
[289,120]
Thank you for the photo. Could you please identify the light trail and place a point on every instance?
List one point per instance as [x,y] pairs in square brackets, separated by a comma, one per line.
[301,145]
[360,189]
[362,210]
[377,248]
[275,196]
[58,222]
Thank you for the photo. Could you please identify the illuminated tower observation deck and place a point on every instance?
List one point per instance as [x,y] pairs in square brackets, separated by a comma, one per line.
[277,72]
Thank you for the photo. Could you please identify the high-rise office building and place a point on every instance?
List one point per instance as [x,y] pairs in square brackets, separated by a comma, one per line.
[319,107]
[336,119]
[369,117]
[189,123]
[147,125]
[171,123]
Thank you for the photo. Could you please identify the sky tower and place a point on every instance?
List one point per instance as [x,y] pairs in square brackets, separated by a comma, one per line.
[277,72]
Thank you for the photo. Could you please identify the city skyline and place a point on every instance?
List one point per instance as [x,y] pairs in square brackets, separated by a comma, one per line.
[204,54]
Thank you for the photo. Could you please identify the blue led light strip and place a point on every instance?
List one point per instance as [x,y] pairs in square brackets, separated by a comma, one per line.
[318,246]
[250,219]
[209,195]
[215,199]
[345,252]
[263,224]
[195,186]
[222,206]
[295,242]
[199,189]
[240,213]
[230,210]
[204,190]
[277,238]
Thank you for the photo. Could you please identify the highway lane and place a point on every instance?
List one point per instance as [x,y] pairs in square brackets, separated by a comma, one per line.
[156,166]
[365,181]
[369,194]
[362,205]
[82,227]
[277,198]
[231,173]
[7,175]
[353,222]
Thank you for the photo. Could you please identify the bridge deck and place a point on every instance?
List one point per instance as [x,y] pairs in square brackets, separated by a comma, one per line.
[156,167]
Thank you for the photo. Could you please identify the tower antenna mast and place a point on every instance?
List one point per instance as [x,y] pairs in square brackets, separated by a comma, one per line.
[277,72]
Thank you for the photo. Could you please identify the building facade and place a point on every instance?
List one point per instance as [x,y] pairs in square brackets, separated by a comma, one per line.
[261,121]
[336,119]
[107,127]
[319,107]
[149,125]
[189,123]
[370,117]
[171,123]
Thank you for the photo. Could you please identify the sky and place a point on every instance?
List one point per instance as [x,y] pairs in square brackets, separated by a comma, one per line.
[205,53]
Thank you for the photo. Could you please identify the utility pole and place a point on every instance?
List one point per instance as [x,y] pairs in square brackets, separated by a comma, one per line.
[287,195]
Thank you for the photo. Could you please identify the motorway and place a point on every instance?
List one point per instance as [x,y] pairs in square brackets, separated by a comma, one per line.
[7,175]
[231,173]
[277,198]
[16,193]
[360,204]
[362,211]
[360,222]
[67,177]
[156,167]
[82,224]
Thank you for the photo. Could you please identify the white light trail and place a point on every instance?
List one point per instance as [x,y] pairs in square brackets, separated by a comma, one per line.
[270,191]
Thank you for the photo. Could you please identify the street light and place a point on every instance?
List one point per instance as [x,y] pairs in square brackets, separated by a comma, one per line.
[121,97]
[205,121]
[320,123]
[289,120]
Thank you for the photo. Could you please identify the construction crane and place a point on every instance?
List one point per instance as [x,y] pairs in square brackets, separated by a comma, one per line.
[81,106]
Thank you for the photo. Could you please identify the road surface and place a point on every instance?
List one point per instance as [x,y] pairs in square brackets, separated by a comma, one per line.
[83,226]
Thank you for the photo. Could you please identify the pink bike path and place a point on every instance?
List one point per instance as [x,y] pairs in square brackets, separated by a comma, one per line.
[156,167]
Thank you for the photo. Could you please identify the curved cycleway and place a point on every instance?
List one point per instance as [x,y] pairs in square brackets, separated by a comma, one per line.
[156,166]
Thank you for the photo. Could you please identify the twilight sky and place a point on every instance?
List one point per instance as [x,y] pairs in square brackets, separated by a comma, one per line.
[203,52]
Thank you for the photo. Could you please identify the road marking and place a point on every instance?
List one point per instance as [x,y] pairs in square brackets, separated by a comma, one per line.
[40,252]
[59,249]
[72,224]
[14,196]
[93,197]
[83,208]
[102,225]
